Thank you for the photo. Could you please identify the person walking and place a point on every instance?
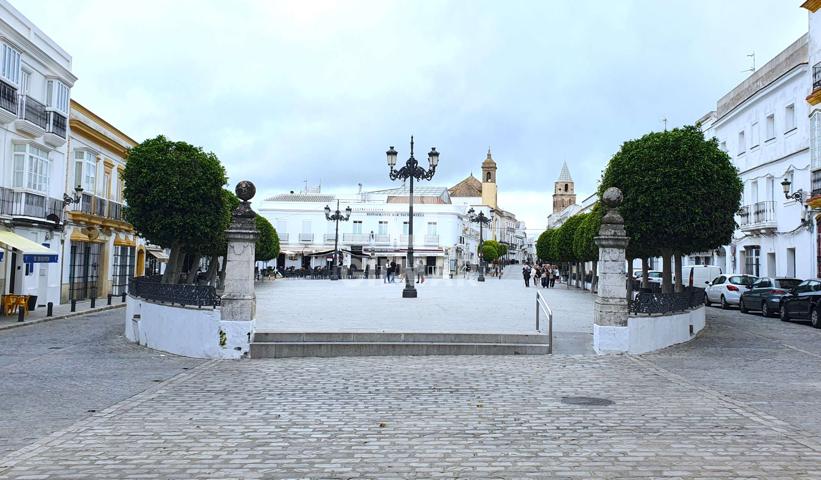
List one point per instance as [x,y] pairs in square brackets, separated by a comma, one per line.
[556,274]
[526,274]
[391,271]
[420,272]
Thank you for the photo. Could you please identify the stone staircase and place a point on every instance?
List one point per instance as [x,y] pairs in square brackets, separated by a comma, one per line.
[340,344]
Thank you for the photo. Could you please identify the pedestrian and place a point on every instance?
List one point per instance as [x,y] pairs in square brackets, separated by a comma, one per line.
[556,274]
[391,271]
[420,272]
[526,274]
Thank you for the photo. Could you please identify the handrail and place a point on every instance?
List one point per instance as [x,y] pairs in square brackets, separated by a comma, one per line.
[541,305]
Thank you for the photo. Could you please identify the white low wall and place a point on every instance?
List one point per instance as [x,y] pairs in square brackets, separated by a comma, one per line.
[648,333]
[190,332]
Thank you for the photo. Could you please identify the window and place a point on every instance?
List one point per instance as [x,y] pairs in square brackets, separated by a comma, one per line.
[565,187]
[724,146]
[357,226]
[31,167]
[57,95]
[123,269]
[789,118]
[306,226]
[405,228]
[815,140]
[488,177]
[383,227]
[10,69]
[25,82]
[431,228]
[742,144]
[85,170]
[755,134]
[770,127]
[106,193]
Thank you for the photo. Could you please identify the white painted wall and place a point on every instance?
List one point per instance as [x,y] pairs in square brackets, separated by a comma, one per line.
[645,334]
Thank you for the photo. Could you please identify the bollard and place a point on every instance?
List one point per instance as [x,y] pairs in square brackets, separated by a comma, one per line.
[93,301]
[109,299]
[123,297]
[49,309]
[21,313]
[73,305]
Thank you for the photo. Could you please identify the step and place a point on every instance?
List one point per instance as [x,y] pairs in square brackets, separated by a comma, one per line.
[339,344]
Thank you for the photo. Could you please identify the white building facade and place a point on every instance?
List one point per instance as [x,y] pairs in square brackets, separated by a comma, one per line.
[35,81]
[763,125]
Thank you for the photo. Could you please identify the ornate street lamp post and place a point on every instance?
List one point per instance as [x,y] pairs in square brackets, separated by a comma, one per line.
[482,220]
[411,171]
[336,217]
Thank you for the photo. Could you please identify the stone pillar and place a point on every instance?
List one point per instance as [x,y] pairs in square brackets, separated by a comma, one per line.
[610,332]
[239,299]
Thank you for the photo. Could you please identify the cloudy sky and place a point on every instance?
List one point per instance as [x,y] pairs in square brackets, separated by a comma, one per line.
[288,91]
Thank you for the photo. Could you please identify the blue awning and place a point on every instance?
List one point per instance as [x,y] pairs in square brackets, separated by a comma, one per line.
[38,258]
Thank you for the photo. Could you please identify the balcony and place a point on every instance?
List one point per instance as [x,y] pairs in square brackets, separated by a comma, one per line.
[283,237]
[33,118]
[431,239]
[55,134]
[757,217]
[306,237]
[31,205]
[99,207]
[355,238]
[815,97]
[816,183]
[329,238]
[115,211]
[403,239]
[8,103]
[382,239]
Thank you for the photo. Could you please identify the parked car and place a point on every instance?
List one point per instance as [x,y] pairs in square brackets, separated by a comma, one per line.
[802,303]
[726,289]
[699,275]
[766,294]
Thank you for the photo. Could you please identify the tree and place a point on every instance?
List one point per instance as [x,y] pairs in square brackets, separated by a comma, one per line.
[565,237]
[543,246]
[681,193]
[267,247]
[584,245]
[174,196]
[489,252]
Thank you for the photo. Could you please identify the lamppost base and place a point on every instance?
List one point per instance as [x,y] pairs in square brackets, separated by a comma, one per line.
[334,276]
[409,292]
[481,278]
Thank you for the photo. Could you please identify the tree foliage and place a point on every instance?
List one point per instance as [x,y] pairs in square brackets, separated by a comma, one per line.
[489,251]
[681,192]
[174,194]
[564,238]
[584,245]
[544,244]
[267,247]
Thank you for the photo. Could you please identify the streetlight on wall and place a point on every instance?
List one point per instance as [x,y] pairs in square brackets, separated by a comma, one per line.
[336,217]
[411,171]
[482,220]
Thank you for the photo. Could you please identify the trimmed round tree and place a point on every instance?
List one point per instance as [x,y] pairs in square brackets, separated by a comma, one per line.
[489,252]
[174,195]
[267,247]
[543,244]
[584,244]
[681,193]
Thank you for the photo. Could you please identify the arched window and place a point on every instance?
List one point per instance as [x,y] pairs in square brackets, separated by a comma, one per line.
[488,176]
[565,187]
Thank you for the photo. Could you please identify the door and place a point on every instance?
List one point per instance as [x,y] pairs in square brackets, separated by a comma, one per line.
[13,274]
[714,290]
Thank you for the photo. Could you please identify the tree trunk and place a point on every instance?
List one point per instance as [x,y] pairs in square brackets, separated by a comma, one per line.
[594,280]
[213,270]
[666,271]
[679,282]
[629,278]
[172,267]
[192,270]
[645,276]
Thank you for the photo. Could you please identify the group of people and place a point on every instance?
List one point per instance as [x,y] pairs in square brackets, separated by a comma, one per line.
[392,270]
[541,274]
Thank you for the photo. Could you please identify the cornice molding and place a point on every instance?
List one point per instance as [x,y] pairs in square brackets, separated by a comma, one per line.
[811,5]
[81,129]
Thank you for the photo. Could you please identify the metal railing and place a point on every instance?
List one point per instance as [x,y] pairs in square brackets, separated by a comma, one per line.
[382,238]
[431,239]
[658,303]
[816,182]
[151,288]
[358,238]
[33,111]
[306,237]
[56,124]
[283,237]
[816,76]
[8,98]
[115,211]
[757,214]
[27,204]
[327,238]
[99,206]
[541,306]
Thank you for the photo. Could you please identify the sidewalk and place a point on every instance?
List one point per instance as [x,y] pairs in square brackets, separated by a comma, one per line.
[38,315]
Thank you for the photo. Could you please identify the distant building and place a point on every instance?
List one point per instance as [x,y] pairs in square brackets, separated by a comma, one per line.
[564,191]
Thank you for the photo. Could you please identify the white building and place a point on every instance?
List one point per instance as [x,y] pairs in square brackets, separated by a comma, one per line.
[377,231]
[763,125]
[35,81]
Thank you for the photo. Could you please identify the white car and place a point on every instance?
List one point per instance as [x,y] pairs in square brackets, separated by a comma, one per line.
[727,289]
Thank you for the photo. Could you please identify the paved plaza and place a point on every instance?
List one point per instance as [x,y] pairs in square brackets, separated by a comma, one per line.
[686,412]
[498,305]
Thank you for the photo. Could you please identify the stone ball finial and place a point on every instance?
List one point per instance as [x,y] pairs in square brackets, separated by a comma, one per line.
[612,197]
[245,190]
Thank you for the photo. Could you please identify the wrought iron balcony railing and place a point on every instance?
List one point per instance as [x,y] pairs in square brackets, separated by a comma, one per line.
[27,204]
[8,98]
[33,111]
[306,237]
[757,215]
[816,183]
[56,124]
[816,76]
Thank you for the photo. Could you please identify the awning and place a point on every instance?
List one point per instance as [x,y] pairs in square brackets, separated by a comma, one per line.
[33,252]
[158,254]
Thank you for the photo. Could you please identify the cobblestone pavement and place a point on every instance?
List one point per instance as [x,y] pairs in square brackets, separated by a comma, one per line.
[680,413]
[52,374]
[763,362]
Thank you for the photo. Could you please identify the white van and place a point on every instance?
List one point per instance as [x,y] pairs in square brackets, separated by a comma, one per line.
[699,275]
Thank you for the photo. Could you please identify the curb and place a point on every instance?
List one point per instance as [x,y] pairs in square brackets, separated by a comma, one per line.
[60,317]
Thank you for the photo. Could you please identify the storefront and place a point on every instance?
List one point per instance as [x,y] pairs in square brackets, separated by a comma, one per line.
[27,267]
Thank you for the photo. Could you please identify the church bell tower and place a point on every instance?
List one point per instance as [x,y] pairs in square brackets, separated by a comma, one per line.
[489,181]
[564,192]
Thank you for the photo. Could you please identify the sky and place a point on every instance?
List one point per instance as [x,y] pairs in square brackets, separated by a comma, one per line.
[289,91]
